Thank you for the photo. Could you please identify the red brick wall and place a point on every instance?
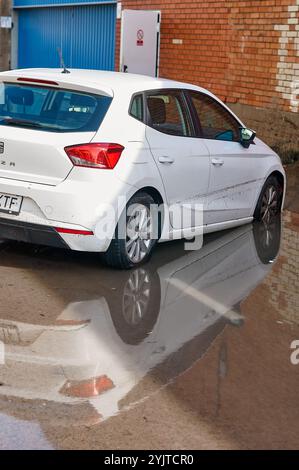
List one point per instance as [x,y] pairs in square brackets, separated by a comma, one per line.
[244,51]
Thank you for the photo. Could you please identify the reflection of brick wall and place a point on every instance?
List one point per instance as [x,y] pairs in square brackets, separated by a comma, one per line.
[246,52]
[284,280]
[253,403]
[5,6]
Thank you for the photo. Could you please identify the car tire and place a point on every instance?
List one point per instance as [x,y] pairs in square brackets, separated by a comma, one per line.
[270,200]
[135,306]
[124,251]
[267,238]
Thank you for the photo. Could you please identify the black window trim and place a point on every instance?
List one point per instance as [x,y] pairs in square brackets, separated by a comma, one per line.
[197,124]
[194,116]
[138,93]
[157,91]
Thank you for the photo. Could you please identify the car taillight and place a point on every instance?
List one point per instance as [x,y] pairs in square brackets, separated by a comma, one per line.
[104,156]
[87,388]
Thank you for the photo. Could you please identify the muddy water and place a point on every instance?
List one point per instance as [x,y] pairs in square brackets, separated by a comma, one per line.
[190,351]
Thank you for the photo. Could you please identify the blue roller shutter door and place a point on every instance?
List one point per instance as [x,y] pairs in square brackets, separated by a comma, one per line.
[85,34]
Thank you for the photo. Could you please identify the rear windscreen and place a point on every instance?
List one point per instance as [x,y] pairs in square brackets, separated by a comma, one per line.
[51,109]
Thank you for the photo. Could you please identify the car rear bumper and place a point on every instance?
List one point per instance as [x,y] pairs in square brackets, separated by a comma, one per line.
[74,204]
[31,233]
[47,235]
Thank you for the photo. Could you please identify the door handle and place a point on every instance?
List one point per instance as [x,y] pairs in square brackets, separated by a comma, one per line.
[217,161]
[166,159]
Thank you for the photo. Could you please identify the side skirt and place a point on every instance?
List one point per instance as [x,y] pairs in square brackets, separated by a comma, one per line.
[179,233]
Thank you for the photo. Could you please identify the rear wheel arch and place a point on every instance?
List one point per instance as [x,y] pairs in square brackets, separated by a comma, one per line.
[122,252]
[157,197]
[150,190]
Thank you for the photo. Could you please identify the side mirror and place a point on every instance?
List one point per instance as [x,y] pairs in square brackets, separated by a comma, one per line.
[246,136]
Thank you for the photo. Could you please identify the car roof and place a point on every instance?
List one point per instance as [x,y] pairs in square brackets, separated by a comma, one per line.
[109,83]
[102,79]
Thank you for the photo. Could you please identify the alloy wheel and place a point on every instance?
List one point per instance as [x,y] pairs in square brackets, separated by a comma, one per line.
[270,203]
[136,297]
[138,240]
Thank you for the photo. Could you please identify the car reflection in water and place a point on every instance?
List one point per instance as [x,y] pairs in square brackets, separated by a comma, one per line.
[160,319]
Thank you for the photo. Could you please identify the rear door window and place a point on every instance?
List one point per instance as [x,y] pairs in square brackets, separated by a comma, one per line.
[51,109]
[168,113]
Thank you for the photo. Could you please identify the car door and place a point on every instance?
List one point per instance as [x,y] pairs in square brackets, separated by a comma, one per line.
[236,171]
[182,160]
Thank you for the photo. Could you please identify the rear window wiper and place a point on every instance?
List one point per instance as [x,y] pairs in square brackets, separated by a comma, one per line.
[20,122]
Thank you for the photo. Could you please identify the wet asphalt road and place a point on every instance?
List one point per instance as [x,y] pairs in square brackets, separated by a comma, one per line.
[190,351]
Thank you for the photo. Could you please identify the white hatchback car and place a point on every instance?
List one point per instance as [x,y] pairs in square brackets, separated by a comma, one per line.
[86,155]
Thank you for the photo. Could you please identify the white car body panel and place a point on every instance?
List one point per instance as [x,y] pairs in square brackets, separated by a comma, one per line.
[58,194]
[186,178]
[39,157]
[235,184]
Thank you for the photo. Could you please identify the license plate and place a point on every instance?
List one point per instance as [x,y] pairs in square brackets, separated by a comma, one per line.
[10,204]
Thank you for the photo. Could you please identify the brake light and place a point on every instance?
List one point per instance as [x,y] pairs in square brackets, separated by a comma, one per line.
[103,156]
[36,80]
[87,388]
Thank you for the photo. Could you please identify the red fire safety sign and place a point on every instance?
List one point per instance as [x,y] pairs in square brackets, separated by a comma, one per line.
[140,36]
